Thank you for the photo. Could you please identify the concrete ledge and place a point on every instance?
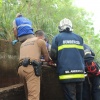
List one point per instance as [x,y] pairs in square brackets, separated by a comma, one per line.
[14,92]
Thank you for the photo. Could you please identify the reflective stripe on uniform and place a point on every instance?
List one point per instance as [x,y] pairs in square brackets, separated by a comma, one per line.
[22,25]
[61,77]
[69,46]
[87,53]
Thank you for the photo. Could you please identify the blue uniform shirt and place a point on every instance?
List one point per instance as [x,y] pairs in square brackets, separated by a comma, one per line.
[24,26]
[67,51]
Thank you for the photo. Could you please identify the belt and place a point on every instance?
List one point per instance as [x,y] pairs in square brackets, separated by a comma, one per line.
[25,62]
[25,34]
[20,64]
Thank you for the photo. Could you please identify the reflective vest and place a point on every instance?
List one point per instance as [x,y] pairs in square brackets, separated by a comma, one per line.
[24,26]
[70,57]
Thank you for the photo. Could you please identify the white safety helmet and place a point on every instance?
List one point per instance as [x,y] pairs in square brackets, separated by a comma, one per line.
[64,24]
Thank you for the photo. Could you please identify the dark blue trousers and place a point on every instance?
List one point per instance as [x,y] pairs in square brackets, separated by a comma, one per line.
[73,90]
[91,88]
[86,94]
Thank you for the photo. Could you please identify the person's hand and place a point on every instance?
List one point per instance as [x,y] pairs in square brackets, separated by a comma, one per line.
[14,42]
[51,63]
[92,68]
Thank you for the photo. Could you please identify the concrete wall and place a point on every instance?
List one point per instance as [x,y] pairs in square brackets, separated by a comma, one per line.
[8,63]
[10,89]
[13,92]
[50,86]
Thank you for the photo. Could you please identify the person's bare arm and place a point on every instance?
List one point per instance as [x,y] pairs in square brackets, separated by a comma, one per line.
[44,50]
[15,29]
[15,32]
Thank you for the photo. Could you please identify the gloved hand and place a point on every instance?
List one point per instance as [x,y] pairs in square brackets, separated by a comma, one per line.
[14,42]
[92,68]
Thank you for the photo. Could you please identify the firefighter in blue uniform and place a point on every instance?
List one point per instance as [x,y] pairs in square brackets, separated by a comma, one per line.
[67,51]
[91,85]
[22,28]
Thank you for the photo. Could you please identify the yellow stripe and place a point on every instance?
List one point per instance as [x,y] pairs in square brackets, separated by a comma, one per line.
[70,46]
[71,76]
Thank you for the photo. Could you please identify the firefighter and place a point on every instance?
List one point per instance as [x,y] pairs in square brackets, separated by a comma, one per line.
[91,85]
[30,65]
[22,28]
[67,51]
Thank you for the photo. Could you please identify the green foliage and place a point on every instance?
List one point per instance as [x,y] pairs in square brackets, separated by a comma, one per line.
[46,15]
